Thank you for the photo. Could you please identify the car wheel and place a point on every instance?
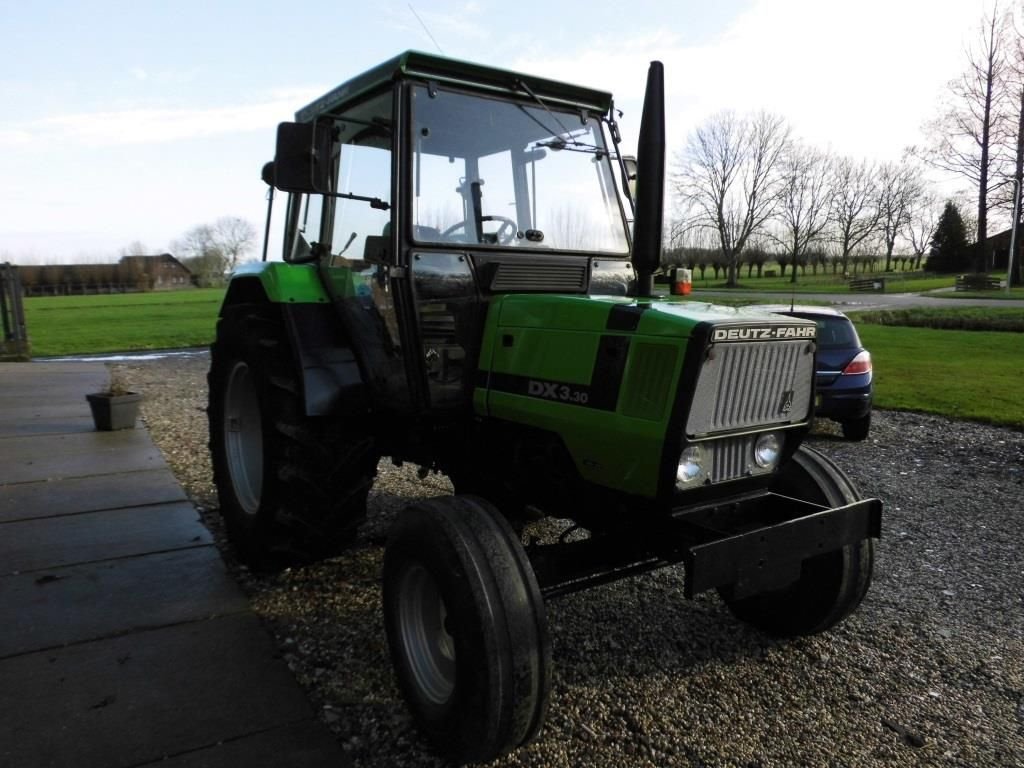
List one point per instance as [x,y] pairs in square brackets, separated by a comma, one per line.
[857,429]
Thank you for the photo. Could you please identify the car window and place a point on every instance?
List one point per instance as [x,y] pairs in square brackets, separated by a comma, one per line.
[836,333]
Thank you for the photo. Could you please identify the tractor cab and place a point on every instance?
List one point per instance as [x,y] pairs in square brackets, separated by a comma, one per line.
[426,186]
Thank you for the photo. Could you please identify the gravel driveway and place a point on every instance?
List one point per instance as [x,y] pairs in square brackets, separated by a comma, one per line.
[929,671]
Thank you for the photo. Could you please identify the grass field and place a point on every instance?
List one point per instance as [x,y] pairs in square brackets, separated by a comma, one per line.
[70,325]
[976,375]
[965,374]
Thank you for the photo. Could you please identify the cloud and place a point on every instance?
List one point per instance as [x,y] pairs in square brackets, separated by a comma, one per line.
[154,126]
[858,79]
[15,138]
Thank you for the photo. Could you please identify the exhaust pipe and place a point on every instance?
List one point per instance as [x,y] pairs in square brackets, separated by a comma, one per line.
[650,192]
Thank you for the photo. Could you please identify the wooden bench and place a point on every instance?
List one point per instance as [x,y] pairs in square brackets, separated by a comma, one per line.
[977,282]
[864,284]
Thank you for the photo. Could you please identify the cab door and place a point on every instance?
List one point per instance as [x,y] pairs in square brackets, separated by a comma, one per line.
[450,320]
[355,250]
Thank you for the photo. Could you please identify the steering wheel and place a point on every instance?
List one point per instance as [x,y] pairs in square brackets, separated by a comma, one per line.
[506,232]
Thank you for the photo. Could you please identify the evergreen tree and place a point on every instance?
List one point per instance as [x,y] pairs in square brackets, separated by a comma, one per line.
[950,251]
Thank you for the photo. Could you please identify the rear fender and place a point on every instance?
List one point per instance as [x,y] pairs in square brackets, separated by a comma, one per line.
[330,379]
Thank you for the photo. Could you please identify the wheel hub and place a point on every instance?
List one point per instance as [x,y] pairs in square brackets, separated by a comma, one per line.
[426,642]
[243,438]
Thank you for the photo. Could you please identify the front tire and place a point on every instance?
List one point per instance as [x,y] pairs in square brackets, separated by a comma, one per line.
[292,488]
[831,585]
[467,628]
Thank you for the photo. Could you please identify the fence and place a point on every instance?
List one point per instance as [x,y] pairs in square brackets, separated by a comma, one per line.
[977,282]
[868,284]
[14,342]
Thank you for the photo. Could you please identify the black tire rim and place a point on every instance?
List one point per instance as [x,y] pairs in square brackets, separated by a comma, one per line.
[243,438]
[428,647]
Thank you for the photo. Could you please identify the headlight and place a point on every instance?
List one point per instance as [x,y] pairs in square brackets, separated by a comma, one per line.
[691,466]
[767,450]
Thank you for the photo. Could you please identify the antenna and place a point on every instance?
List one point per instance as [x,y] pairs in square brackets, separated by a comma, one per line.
[425,29]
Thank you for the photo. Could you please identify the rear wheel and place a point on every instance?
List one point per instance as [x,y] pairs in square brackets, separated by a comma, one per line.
[857,429]
[831,585]
[466,626]
[292,488]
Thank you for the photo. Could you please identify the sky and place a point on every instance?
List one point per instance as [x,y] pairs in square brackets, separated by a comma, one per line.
[126,122]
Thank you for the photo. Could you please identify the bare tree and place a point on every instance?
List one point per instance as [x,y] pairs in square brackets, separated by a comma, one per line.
[855,208]
[804,202]
[727,176]
[135,248]
[921,223]
[757,254]
[234,237]
[900,184]
[200,252]
[211,250]
[965,138]
[1015,111]
[694,246]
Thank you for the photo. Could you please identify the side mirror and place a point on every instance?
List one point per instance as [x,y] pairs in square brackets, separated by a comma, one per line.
[302,162]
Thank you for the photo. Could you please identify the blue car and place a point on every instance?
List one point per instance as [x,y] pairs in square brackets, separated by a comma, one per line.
[844,377]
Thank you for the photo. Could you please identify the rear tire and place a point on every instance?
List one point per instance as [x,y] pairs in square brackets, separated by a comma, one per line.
[831,585]
[292,488]
[857,429]
[467,628]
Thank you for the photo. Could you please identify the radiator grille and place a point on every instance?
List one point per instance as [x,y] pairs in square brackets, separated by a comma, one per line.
[752,384]
[729,460]
[557,278]
[733,458]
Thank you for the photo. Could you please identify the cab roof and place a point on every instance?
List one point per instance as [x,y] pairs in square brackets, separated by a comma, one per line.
[416,65]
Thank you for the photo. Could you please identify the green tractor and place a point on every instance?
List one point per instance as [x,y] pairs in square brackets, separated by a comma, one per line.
[461,288]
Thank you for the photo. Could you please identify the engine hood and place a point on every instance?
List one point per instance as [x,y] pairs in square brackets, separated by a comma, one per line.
[648,317]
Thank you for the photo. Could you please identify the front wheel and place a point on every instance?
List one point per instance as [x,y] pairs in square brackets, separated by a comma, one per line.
[831,585]
[466,626]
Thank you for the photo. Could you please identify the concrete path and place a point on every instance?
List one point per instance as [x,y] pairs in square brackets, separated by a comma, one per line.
[123,640]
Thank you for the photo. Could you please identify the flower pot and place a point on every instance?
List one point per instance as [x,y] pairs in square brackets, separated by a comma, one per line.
[111,412]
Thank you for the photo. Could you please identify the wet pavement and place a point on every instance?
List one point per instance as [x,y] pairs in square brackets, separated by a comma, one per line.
[123,639]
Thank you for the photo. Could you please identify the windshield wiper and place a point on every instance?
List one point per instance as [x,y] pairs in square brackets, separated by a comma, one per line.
[557,143]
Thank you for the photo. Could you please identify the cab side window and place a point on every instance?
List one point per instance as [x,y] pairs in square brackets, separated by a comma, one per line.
[364,170]
[335,227]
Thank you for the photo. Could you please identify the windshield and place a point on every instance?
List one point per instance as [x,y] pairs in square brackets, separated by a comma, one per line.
[501,173]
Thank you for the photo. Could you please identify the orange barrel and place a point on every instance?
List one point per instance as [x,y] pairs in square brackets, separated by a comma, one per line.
[682,281]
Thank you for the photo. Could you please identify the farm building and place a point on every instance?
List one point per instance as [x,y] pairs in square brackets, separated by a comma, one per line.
[161,272]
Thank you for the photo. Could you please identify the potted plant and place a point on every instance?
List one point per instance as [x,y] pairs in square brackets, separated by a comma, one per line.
[117,407]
